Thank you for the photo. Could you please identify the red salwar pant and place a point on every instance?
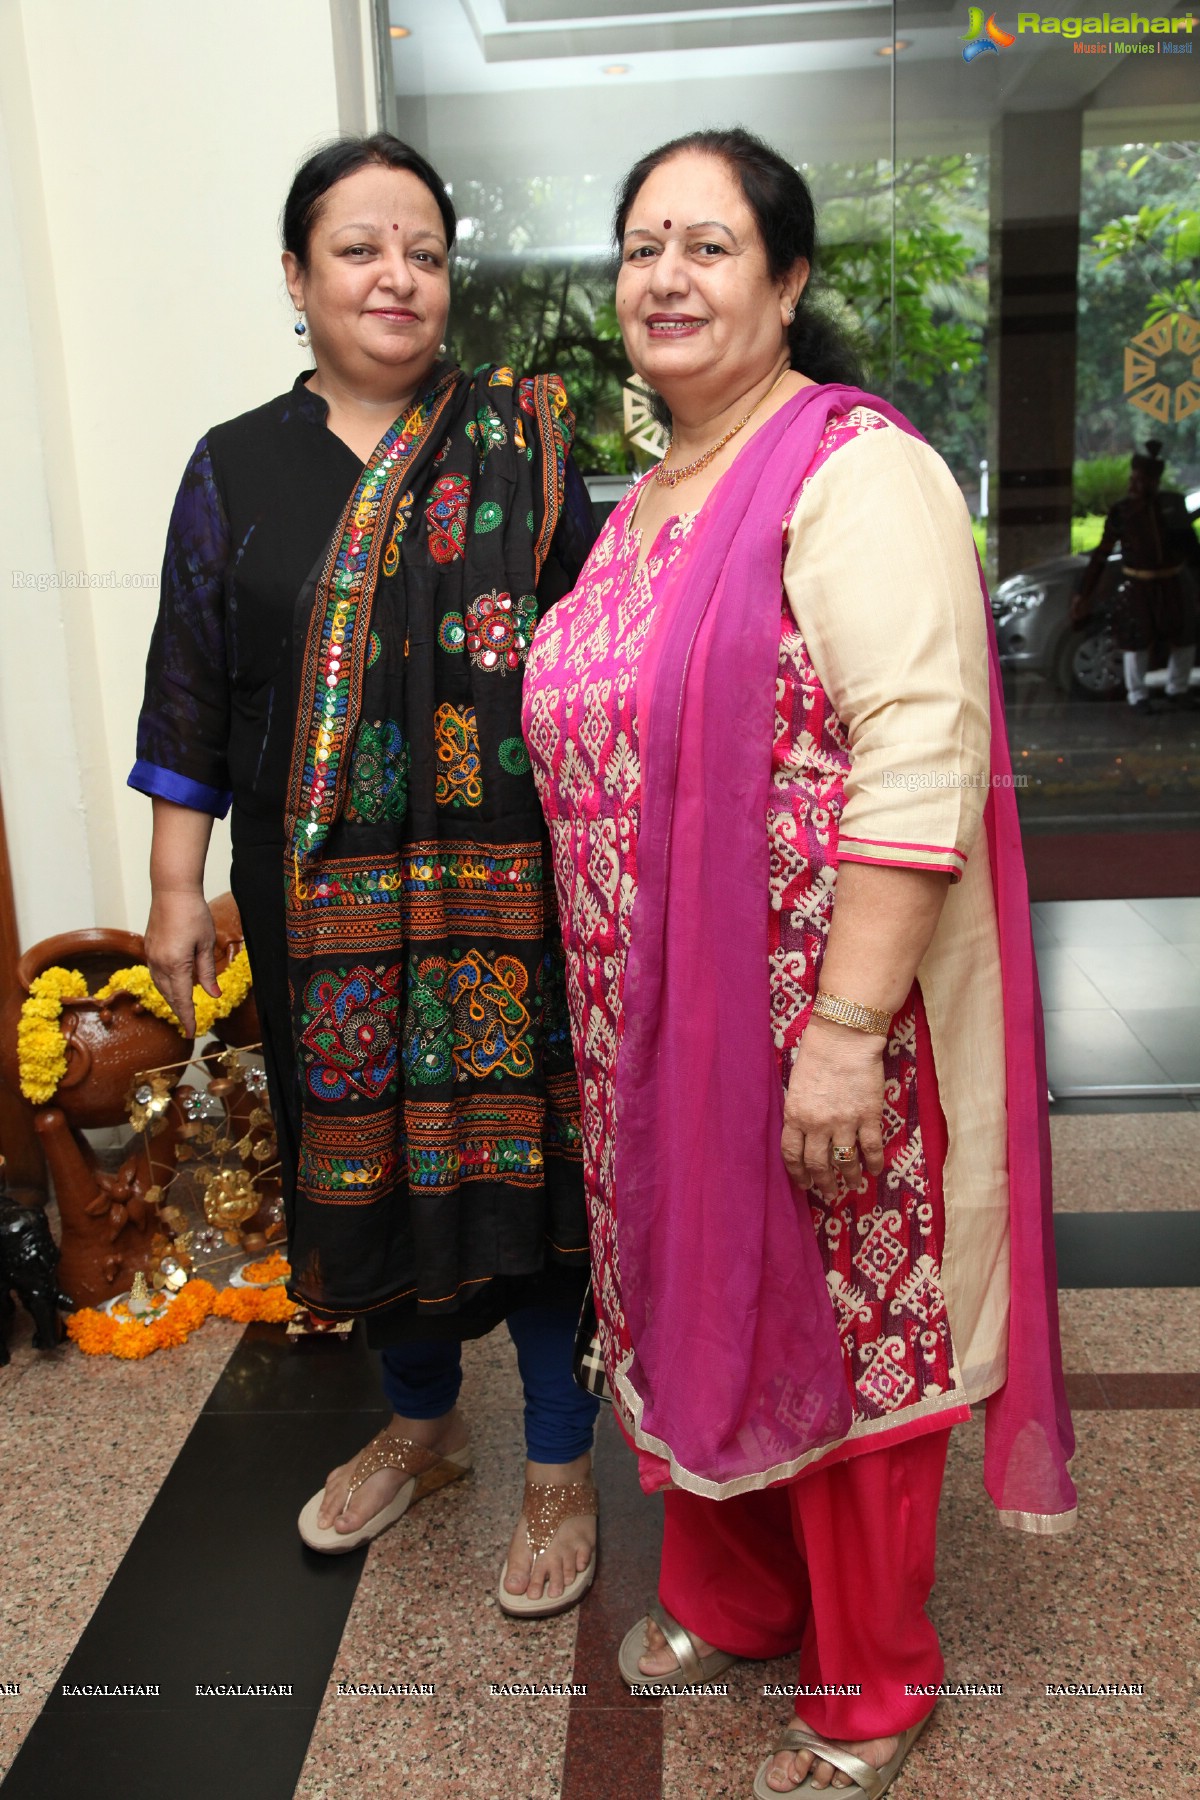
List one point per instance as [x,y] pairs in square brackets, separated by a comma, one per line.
[839,1564]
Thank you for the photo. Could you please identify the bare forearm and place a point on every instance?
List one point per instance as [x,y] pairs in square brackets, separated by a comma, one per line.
[180,938]
[883,921]
[178,848]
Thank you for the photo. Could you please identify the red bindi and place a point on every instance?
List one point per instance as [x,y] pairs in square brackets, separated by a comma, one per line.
[395,228]
[666,224]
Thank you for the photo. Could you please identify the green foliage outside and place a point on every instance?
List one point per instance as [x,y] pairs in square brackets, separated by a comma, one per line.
[1139,258]
[930,361]
[1098,482]
[1085,534]
[554,313]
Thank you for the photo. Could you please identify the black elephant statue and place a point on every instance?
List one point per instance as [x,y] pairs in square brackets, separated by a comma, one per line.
[28,1268]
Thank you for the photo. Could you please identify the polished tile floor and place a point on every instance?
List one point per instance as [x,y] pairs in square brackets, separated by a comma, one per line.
[1121,987]
[132,1554]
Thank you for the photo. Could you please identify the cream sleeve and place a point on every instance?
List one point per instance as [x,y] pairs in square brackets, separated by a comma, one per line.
[881,579]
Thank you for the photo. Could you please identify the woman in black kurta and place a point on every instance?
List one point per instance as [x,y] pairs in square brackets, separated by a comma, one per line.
[338,653]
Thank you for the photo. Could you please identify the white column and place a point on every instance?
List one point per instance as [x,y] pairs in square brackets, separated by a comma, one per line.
[150,150]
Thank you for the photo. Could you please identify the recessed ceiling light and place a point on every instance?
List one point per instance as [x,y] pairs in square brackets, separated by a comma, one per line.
[400,31]
[891,49]
[615,69]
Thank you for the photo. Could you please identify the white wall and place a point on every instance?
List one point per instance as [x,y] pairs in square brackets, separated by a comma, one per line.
[149,149]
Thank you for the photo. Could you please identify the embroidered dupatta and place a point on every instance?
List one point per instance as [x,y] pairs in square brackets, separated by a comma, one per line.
[440,1140]
[736,1373]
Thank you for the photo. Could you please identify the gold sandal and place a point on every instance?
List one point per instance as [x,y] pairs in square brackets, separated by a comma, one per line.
[871,1782]
[426,1472]
[693,1669]
[545,1506]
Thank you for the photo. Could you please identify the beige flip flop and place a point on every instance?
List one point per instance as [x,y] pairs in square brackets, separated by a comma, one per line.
[871,1782]
[545,1506]
[694,1670]
[426,1472]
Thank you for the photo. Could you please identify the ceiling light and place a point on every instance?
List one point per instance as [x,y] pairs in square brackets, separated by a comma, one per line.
[891,49]
[399,31]
[615,69]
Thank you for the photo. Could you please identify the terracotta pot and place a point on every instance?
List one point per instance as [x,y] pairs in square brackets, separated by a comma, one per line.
[109,1041]
[242,1027]
[107,1221]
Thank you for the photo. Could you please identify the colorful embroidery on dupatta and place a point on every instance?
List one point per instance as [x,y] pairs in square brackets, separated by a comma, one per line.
[468,1009]
[337,642]
[514,757]
[446,517]
[452,633]
[379,773]
[547,399]
[416,964]
[490,1018]
[499,630]
[456,742]
[349,1037]
[486,431]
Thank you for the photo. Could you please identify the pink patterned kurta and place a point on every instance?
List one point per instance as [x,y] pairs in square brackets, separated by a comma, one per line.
[881,1245]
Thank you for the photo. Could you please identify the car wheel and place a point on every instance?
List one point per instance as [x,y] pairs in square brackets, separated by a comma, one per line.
[1089,663]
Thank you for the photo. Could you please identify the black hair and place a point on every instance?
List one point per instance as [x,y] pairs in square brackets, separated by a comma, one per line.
[782,204]
[1151,464]
[345,156]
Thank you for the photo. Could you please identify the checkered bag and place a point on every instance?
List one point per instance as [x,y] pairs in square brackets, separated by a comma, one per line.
[587,1364]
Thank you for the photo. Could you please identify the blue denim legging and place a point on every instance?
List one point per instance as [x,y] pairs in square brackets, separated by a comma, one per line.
[422,1381]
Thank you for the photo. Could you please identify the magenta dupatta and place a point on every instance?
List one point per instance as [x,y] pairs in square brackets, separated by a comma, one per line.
[737,1370]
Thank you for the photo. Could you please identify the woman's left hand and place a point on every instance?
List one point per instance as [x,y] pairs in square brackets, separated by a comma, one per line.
[835,1096]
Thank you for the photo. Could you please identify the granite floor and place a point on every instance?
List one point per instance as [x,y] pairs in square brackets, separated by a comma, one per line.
[96,1453]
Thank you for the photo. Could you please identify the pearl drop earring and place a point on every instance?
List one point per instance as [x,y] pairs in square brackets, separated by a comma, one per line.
[301,330]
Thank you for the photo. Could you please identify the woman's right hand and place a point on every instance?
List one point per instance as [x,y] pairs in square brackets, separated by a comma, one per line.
[181,949]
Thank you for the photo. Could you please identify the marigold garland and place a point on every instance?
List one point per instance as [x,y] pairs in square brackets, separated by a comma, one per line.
[42,1048]
[99,1334]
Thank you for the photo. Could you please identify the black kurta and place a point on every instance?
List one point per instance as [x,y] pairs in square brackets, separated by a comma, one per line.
[259,501]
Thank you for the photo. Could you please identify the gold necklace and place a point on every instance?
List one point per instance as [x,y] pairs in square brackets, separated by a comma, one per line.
[670,478]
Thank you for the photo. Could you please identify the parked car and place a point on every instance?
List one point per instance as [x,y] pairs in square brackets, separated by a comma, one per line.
[1032,612]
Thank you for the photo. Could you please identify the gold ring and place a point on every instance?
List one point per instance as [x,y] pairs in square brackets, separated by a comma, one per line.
[844,1153]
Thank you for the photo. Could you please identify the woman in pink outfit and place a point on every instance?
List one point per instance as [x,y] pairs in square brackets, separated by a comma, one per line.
[768,738]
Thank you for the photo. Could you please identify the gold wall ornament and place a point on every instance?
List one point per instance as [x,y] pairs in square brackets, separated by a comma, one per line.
[1146,385]
[641,427]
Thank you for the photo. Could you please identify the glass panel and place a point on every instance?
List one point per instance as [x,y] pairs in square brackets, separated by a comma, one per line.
[534,111]
[1084,224]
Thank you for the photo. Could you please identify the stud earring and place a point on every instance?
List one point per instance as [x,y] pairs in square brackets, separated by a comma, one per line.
[792,316]
[301,329]
[441,349]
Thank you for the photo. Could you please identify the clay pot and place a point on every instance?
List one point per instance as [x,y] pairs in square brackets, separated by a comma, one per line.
[108,1042]
[107,1221]
[242,1027]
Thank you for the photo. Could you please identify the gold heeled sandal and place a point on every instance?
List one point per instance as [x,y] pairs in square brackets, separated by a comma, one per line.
[871,1782]
[545,1506]
[426,1472]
